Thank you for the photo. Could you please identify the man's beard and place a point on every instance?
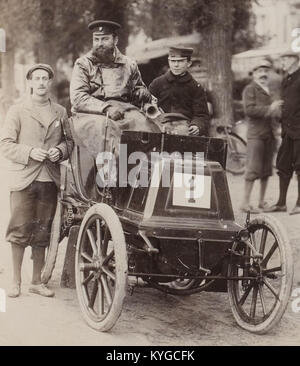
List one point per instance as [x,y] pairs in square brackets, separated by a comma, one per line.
[104,55]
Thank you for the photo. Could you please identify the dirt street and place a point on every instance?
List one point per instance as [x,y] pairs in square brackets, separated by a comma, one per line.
[148,317]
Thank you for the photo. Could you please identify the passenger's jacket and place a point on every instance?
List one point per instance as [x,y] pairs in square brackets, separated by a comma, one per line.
[94,84]
[182,94]
[23,130]
[257,103]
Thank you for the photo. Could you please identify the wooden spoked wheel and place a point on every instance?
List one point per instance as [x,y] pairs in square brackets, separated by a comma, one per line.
[101,267]
[259,303]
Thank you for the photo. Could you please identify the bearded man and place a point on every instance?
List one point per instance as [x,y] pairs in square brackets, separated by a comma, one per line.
[106,83]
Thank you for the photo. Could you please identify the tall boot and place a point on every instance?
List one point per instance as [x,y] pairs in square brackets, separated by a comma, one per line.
[296,209]
[283,188]
[280,206]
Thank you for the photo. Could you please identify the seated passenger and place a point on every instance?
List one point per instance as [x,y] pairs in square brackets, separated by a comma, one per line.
[178,92]
[106,83]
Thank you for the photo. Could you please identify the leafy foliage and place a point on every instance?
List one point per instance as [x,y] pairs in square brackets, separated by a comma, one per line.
[184,16]
[30,21]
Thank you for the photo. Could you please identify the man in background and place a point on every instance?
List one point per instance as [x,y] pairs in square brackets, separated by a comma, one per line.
[259,110]
[288,158]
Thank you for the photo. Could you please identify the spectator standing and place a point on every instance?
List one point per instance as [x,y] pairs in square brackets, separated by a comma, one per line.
[34,143]
[259,110]
[288,158]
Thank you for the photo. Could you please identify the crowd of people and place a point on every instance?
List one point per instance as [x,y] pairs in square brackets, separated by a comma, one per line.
[106,84]
[270,108]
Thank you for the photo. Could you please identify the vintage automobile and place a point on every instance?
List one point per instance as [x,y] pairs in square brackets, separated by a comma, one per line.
[168,236]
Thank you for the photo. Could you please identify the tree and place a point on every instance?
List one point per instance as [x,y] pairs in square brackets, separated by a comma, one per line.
[217,38]
[53,30]
[223,26]
[13,22]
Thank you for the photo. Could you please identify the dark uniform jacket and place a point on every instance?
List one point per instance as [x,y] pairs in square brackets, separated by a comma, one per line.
[24,130]
[291,106]
[182,94]
[256,107]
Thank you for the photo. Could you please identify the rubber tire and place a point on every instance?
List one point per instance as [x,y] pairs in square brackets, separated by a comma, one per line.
[115,227]
[55,239]
[287,262]
[241,141]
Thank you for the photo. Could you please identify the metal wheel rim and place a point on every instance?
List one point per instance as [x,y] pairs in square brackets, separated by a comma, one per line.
[256,289]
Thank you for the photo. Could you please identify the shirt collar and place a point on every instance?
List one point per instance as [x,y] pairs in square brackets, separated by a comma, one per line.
[180,78]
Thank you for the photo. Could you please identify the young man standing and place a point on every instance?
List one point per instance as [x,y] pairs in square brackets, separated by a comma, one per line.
[33,142]
[178,92]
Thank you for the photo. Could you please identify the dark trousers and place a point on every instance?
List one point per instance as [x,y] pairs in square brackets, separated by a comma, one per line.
[288,158]
[32,212]
[259,158]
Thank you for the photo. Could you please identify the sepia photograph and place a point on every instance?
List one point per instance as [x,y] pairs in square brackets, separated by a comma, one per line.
[149,175]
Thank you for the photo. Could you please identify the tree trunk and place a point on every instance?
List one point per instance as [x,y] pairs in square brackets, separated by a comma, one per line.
[45,47]
[217,40]
[8,92]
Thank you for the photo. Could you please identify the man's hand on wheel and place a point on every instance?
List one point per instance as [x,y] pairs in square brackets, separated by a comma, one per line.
[194,130]
[114,113]
[142,95]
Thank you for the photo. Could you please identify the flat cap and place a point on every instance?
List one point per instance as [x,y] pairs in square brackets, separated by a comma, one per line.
[290,53]
[262,63]
[180,52]
[104,27]
[45,67]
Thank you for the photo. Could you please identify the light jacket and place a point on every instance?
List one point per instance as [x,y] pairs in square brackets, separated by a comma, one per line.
[94,84]
[23,130]
[257,107]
